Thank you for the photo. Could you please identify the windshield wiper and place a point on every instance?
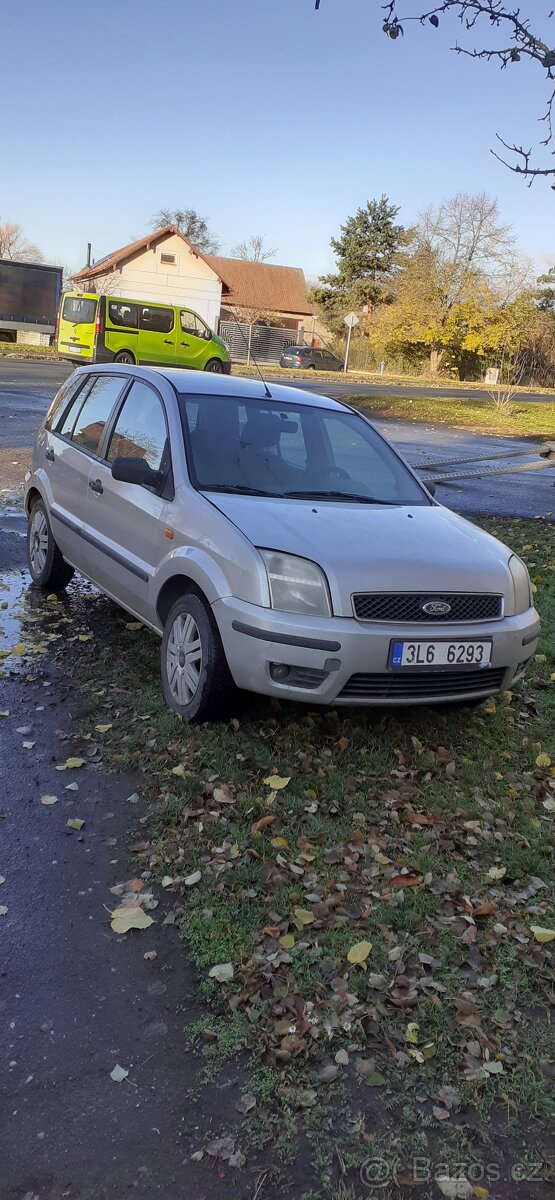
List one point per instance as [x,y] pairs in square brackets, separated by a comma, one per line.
[332,495]
[242,489]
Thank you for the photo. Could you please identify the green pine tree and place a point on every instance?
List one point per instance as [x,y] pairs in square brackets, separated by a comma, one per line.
[368,255]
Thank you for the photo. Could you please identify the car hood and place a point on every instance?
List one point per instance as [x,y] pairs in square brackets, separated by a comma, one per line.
[373,548]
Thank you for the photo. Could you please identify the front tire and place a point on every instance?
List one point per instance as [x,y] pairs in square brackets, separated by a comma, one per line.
[125,356]
[215,365]
[47,567]
[196,679]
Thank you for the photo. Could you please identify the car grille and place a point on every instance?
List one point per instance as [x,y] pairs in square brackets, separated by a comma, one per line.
[416,685]
[407,607]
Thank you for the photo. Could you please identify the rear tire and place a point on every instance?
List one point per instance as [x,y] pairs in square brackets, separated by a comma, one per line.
[46,565]
[215,365]
[125,356]
[196,680]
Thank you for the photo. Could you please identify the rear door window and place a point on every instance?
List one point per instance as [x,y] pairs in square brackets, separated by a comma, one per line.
[94,413]
[79,310]
[140,430]
[157,320]
[121,313]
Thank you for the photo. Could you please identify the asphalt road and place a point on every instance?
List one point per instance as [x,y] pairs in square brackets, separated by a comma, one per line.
[76,999]
[26,389]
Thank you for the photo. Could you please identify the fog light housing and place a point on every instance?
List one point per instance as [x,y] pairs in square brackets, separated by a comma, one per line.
[279,672]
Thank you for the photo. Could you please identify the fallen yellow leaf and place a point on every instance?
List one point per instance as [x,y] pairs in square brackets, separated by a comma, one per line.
[542,935]
[85,637]
[302,917]
[52,596]
[103,728]
[124,919]
[280,842]
[359,952]
[49,799]
[287,941]
[277,782]
[411,1033]
[74,762]
[543,760]
[75,823]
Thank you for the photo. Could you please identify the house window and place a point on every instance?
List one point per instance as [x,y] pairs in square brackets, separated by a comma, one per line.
[167,258]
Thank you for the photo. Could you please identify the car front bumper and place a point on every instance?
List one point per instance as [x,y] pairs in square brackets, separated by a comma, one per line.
[344,661]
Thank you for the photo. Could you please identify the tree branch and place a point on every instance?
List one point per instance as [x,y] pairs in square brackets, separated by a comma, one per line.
[523,43]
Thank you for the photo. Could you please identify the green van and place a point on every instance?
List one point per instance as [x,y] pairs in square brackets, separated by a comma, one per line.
[110,329]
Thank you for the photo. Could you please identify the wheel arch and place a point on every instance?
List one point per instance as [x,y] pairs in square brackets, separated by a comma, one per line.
[31,497]
[172,589]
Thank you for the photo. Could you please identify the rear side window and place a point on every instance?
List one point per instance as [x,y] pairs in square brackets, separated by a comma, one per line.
[69,388]
[92,418]
[157,320]
[140,430]
[123,314]
[79,310]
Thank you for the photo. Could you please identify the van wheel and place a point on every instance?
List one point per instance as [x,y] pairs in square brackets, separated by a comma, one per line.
[215,365]
[196,679]
[46,565]
[124,356]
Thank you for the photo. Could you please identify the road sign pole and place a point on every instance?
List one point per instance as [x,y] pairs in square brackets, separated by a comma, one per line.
[346,363]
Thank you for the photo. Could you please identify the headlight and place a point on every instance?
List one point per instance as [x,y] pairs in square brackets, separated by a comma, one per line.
[296,584]
[521,580]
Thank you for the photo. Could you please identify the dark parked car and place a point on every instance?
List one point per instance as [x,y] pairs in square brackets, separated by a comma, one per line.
[309,357]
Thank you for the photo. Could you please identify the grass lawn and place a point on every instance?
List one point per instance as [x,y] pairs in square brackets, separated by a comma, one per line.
[367,899]
[532,420]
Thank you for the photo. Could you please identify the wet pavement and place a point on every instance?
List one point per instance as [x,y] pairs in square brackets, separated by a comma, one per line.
[77,999]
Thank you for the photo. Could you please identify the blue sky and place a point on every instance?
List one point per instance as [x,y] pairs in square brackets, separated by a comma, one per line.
[263,114]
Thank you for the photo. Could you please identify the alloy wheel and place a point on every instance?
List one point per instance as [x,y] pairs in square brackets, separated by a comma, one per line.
[38,542]
[184,659]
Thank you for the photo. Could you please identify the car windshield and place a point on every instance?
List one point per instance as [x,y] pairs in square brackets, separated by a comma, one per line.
[262,447]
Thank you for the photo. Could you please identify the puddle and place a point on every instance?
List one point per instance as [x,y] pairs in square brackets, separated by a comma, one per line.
[31,624]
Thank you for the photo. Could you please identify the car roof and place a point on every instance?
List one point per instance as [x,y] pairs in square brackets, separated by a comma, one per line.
[207,383]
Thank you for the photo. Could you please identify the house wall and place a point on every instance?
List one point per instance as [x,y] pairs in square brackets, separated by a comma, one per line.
[190,281]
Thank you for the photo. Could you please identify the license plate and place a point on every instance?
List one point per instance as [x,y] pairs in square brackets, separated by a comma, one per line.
[77,349]
[440,654]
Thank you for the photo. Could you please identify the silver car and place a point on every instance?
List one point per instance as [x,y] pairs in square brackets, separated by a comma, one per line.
[274,540]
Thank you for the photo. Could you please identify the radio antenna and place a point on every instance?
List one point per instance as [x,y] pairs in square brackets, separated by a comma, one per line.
[250,355]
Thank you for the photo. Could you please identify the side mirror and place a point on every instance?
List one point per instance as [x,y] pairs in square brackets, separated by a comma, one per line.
[135,470]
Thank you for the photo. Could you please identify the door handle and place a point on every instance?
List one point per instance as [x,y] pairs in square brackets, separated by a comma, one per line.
[96,486]
[185,343]
[168,342]
[49,454]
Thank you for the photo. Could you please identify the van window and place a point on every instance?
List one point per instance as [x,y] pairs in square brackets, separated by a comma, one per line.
[157,320]
[79,311]
[191,323]
[140,430]
[121,313]
[91,422]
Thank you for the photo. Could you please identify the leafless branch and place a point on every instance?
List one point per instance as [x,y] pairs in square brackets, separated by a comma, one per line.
[523,43]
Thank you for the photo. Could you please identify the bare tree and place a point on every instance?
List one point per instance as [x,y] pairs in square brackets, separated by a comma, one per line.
[253,249]
[517,41]
[462,248]
[14,244]
[190,224]
[511,367]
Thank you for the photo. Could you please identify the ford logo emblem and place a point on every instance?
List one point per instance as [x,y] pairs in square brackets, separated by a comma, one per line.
[436,608]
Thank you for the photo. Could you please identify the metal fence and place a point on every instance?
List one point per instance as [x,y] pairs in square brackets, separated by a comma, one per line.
[264,343]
